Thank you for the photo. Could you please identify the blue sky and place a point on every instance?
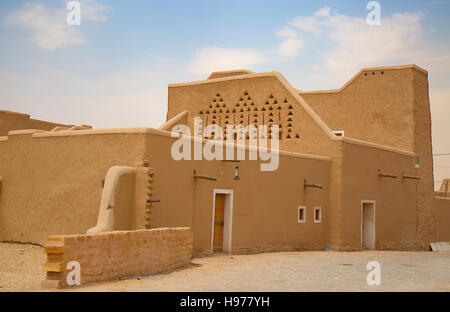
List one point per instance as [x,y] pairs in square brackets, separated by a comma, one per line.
[113,70]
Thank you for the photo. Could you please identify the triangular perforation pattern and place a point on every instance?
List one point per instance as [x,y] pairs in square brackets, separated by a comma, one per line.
[272,110]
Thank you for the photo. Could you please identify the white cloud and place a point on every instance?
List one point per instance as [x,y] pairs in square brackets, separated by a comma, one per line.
[211,59]
[291,44]
[308,24]
[288,32]
[93,11]
[48,26]
[353,44]
[290,47]
[323,12]
[397,39]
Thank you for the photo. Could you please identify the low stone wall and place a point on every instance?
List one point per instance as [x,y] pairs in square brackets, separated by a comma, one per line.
[119,254]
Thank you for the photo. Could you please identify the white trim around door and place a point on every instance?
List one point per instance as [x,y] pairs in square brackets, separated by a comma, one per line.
[227,220]
[367,201]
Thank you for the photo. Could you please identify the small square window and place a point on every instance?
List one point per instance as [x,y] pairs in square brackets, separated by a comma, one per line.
[301,214]
[317,214]
[339,133]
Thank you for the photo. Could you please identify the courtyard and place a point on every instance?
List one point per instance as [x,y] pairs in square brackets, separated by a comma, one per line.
[21,270]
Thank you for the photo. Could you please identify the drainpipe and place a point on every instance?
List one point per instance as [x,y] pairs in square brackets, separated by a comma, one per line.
[105,221]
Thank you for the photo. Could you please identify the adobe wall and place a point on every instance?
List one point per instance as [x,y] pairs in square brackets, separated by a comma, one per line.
[395,220]
[251,98]
[442,217]
[388,106]
[228,73]
[265,210]
[52,183]
[120,254]
[375,106]
[251,94]
[254,215]
[426,230]
[260,99]
[18,121]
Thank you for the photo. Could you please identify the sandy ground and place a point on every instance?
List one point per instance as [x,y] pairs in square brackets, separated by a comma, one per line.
[21,270]
[21,267]
[298,271]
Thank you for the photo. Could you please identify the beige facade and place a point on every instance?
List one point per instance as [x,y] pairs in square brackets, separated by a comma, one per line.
[17,121]
[375,174]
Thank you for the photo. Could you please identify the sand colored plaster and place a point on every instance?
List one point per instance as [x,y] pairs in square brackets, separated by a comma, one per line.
[52,184]
[385,108]
[109,213]
[228,73]
[17,121]
[442,213]
[53,180]
[116,255]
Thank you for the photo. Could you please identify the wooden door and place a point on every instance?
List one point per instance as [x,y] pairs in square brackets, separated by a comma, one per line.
[219,210]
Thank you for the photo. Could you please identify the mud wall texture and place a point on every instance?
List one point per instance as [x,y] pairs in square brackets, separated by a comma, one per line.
[442,212]
[395,198]
[388,106]
[261,99]
[377,107]
[16,121]
[265,204]
[119,254]
[52,183]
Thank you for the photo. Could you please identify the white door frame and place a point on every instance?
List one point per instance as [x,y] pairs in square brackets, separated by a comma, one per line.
[369,201]
[227,219]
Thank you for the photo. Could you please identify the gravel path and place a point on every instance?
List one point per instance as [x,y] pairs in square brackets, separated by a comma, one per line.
[21,267]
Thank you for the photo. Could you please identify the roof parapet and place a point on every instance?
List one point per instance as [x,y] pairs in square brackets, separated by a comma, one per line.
[228,73]
[396,67]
